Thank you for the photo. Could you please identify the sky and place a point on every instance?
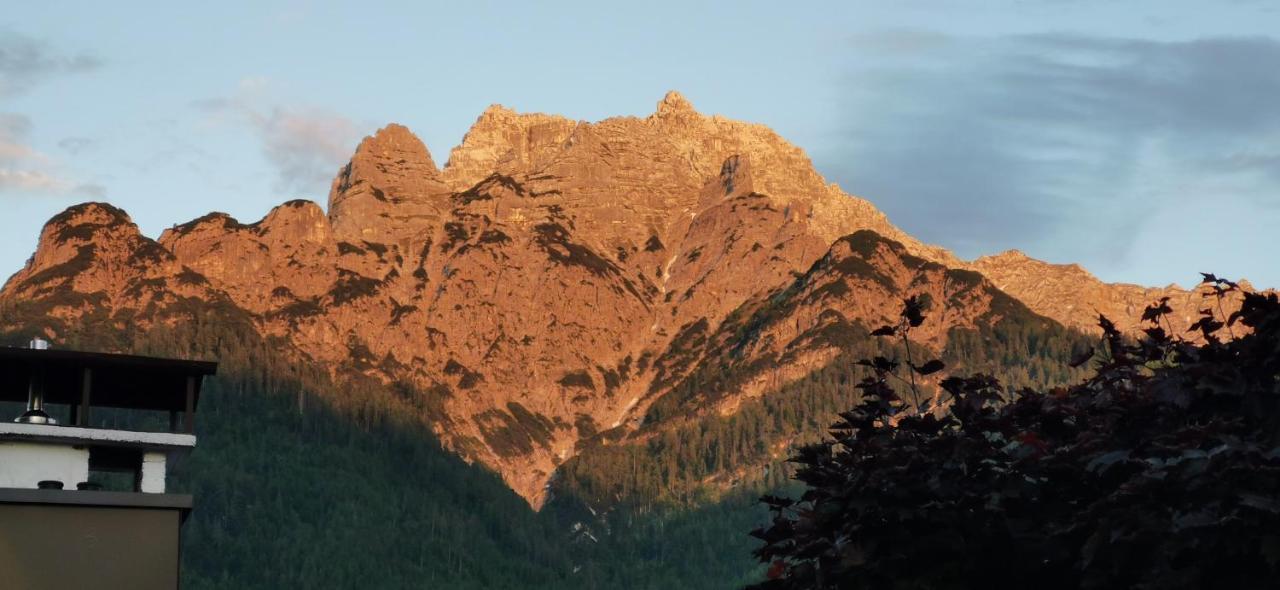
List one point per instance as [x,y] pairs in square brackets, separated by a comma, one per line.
[1138,138]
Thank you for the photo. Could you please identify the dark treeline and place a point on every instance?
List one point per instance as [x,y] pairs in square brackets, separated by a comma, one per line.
[303,483]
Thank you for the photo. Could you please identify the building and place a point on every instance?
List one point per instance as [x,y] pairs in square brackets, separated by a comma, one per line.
[82,467]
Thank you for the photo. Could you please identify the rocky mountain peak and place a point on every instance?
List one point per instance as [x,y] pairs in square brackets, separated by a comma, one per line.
[497,111]
[91,213]
[79,227]
[396,140]
[1011,255]
[556,278]
[390,182]
[93,260]
[504,141]
[674,103]
[302,220]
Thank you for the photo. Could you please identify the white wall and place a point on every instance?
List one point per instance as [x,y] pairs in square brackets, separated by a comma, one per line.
[23,465]
[153,473]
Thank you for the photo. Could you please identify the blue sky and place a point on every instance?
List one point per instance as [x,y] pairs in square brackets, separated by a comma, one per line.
[1141,138]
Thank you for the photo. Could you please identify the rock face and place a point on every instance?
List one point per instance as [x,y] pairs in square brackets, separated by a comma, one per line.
[264,267]
[1074,297]
[554,280]
[94,267]
[780,336]
[390,191]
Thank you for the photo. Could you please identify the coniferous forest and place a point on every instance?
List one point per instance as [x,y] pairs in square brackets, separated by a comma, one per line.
[302,482]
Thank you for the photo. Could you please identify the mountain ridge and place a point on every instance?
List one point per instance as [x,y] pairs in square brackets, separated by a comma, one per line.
[553,281]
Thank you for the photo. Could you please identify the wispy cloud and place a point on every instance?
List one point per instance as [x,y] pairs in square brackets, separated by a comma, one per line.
[305,145]
[77,145]
[24,170]
[1062,144]
[24,62]
[36,182]
[13,130]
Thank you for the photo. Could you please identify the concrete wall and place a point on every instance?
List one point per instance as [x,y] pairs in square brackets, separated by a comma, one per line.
[23,465]
[47,547]
[153,473]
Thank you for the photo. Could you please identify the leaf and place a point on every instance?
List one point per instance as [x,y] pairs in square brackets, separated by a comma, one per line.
[1081,357]
[777,502]
[1102,462]
[1155,311]
[913,310]
[883,364]
[1260,502]
[930,367]
[1206,325]
[776,570]
[1107,326]
[884,331]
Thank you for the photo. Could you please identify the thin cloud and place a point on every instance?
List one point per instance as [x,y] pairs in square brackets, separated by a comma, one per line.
[1060,144]
[77,145]
[24,62]
[304,145]
[40,183]
[26,171]
[14,129]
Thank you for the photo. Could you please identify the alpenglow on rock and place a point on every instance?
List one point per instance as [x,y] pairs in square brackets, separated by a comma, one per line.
[548,285]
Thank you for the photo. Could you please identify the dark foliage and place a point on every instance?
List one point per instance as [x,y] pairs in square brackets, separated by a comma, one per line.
[1160,471]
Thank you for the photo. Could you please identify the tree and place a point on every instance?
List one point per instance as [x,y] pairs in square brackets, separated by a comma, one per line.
[1160,471]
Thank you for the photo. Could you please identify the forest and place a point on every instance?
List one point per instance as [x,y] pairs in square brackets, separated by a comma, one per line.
[301,481]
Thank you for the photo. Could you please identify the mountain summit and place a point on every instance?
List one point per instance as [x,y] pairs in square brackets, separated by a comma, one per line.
[556,283]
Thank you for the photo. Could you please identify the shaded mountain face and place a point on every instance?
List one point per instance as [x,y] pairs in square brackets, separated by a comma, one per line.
[779,336]
[553,281]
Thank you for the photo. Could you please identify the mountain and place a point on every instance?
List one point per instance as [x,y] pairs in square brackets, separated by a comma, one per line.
[1071,295]
[560,287]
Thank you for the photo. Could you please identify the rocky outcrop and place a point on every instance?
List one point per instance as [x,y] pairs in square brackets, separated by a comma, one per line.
[1074,297]
[389,191]
[630,178]
[94,269]
[857,285]
[284,259]
[555,280]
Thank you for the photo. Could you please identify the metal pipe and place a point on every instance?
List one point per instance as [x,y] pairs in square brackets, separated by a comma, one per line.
[35,413]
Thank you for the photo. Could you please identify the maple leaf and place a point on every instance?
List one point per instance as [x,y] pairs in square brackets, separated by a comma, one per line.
[930,367]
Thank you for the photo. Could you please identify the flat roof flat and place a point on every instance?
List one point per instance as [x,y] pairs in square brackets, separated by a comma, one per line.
[116,380]
[74,435]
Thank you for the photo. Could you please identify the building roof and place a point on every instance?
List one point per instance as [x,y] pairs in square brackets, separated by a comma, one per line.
[96,437]
[117,380]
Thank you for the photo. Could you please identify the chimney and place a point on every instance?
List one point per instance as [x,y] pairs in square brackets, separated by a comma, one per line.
[35,413]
